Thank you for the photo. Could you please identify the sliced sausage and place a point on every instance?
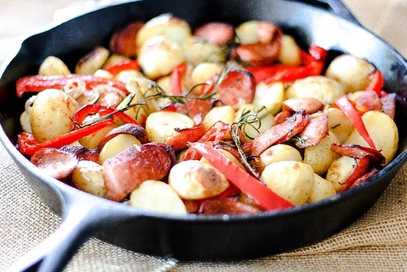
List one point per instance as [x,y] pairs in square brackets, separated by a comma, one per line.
[216,32]
[123,41]
[280,133]
[310,105]
[389,104]
[358,152]
[126,171]
[370,100]
[133,129]
[54,162]
[237,88]
[217,206]
[314,132]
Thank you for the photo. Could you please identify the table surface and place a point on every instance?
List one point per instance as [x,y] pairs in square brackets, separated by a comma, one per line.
[376,242]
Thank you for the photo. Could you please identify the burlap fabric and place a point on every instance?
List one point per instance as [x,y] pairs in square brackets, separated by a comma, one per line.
[376,242]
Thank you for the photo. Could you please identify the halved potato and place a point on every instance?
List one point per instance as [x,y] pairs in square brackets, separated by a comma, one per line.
[88,176]
[321,190]
[383,131]
[157,196]
[160,125]
[116,145]
[280,152]
[223,113]
[339,171]
[291,180]
[270,96]
[173,28]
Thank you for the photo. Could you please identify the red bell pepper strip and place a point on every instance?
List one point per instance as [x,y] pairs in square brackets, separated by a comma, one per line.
[103,110]
[376,83]
[28,145]
[313,63]
[176,79]
[122,66]
[349,109]
[264,196]
[40,83]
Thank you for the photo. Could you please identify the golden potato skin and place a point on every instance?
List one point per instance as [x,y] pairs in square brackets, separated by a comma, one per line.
[197,180]
[51,114]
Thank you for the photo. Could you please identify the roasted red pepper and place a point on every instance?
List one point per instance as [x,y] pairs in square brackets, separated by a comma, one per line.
[28,145]
[123,66]
[176,79]
[312,64]
[39,83]
[349,109]
[264,196]
[376,83]
[102,110]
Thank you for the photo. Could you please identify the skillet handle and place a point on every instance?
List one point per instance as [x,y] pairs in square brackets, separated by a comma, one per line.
[83,218]
[337,7]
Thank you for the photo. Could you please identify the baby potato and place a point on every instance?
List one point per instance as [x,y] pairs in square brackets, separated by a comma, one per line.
[279,152]
[250,131]
[383,131]
[291,180]
[159,56]
[323,88]
[116,145]
[25,122]
[157,196]
[197,51]
[339,124]
[204,72]
[290,53]
[246,33]
[160,125]
[351,71]
[88,177]
[270,96]
[91,141]
[173,28]
[339,171]
[223,113]
[92,61]
[320,156]
[53,66]
[321,190]
[51,114]
[197,180]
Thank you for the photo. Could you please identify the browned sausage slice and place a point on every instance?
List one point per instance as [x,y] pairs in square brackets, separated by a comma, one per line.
[215,32]
[237,88]
[280,133]
[54,162]
[314,132]
[127,170]
[310,105]
[389,104]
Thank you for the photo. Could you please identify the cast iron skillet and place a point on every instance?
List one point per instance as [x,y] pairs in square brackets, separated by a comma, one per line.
[204,238]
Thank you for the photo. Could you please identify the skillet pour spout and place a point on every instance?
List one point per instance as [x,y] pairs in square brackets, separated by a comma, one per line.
[193,237]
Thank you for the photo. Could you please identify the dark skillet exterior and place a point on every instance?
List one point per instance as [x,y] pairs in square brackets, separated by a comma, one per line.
[196,237]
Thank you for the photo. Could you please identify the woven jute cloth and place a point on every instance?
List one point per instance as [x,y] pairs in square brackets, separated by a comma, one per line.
[375,242]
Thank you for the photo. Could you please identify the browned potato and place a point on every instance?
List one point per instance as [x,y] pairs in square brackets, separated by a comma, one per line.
[197,180]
